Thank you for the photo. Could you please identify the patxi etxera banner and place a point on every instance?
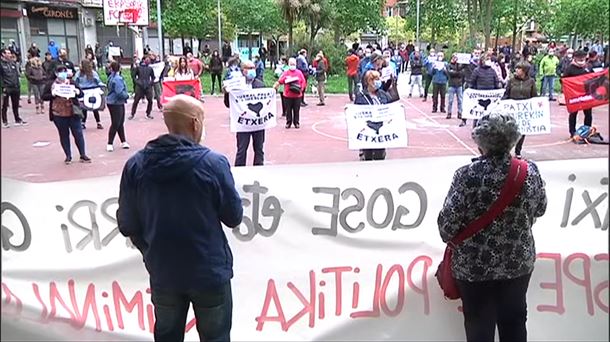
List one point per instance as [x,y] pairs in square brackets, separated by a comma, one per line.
[346,253]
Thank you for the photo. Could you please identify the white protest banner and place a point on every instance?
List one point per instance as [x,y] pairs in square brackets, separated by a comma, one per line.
[533,116]
[463,58]
[158,70]
[93,98]
[439,65]
[387,73]
[67,91]
[347,256]
[376,126]
[133,12]
[252,110]
[478,103]
[234,83]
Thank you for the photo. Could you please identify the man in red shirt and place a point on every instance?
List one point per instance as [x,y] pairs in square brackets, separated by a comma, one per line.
[195,64]
[352,62]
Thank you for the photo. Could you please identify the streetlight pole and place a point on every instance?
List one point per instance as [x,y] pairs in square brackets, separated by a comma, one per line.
[219,28]
[417,33]
[160,29]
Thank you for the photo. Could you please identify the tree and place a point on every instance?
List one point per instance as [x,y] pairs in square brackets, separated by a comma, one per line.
[357,15]
[290,10]
[316,14]
[580,17]
[439,19]
[396,29]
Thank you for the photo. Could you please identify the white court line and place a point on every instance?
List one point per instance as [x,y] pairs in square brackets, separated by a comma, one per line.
[315,129]
[445,129]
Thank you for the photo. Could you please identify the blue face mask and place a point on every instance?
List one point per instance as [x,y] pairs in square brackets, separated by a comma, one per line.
[292,67]
[62,75]
[251,74]
[378,84]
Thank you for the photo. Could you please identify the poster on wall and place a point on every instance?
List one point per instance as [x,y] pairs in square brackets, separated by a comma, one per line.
[117,12]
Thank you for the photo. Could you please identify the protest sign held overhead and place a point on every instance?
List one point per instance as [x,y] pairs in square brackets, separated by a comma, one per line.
[478,103]
[376,126]
[533,115]
[586,91]
[252,110]
[172,88]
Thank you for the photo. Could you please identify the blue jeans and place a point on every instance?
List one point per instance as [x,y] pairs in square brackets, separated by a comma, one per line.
[213,312]
[65,125]
[455,91]
[547,82]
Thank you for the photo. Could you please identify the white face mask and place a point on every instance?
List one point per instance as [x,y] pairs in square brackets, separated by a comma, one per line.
[488,62]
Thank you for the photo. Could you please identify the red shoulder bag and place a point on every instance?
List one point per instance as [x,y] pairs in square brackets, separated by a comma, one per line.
[512,187]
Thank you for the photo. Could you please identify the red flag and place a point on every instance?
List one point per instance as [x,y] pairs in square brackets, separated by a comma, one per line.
[586,91]
[172,88]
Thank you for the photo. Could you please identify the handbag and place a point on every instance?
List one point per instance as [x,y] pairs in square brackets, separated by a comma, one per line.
[512,187]
[295,87]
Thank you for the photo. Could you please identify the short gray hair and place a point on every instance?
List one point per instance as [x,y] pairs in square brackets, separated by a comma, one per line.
[496,133]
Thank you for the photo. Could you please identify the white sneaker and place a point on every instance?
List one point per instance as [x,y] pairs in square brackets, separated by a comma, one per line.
[125,146]
[5,125]
[109,148]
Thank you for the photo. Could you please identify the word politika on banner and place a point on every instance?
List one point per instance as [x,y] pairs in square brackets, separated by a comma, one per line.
[478,103]
[376,126]
[252,110]
[533,115]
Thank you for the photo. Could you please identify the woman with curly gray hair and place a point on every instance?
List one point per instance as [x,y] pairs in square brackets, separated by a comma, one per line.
[492,269]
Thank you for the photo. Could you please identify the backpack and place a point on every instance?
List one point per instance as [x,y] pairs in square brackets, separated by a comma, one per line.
[588,135]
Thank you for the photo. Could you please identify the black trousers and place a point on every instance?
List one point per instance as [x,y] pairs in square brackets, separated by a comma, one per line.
[140,93]
[293,108]
[216,76]
[571,120]
[497,302]
[243,141]
[427,81]
[438,89]
[117,122]
[283,103]
[13,95]
[352,86]
[96,114]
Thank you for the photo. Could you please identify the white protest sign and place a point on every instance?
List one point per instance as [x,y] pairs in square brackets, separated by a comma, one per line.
[346,252]
[157,70]
[133,12]
[439,65]
[463,58]
[387,73]
[234,83]
[67,91]
[478,103]
[376,126]
[252,110]
[114,51]
[533,116]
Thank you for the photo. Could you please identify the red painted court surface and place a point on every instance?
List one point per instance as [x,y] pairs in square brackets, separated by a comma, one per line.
[33,153]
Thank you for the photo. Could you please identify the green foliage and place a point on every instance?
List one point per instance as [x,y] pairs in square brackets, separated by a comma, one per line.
[582,17]
[357,15]
[440,20]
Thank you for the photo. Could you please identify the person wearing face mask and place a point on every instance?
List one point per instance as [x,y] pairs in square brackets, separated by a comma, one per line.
[62,113]
[520,87]
[548,69]
[9,79]
[294,88]
[372,94]
[303,66]
[475,59]
[533,67]
[440,76]
[456,79]
[428,68]
[321,67]
[145,78]
[397,60]
[576,68]
[248,70]
[352,61]
[566,60]
[174,196]
[483,78]
[417,65]
[215,70]
[364,62]
[132,70]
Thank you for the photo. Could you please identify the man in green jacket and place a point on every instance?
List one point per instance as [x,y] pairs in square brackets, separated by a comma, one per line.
[548,69]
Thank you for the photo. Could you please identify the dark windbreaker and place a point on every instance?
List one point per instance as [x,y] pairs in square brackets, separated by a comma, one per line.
[173,197]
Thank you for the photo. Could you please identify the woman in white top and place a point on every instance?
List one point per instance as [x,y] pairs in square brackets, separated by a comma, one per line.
[183,71]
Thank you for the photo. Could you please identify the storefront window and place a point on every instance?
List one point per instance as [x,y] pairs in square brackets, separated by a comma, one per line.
[9,30]
[56,27]
[71,28]
[63,32]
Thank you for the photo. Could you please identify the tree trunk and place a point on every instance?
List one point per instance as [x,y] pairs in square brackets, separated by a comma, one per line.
[516,4]
[470,11]
[182,42]
[497,34]
[337,35]
[487,22]
[289,50]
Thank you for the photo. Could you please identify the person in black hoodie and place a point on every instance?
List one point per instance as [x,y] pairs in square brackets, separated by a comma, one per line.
[145,78]
[576,68]
[216,70]
[174,196]
[9,79]
[483,77]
